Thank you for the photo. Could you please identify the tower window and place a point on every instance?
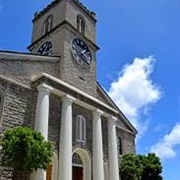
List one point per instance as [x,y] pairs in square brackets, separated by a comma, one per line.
[119,146]
[48,23]
[81,129]
[81,24]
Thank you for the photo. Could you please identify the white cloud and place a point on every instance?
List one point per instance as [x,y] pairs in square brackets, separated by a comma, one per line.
[134,91]
[165,147]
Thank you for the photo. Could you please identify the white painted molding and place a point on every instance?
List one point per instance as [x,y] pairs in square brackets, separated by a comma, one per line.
[45,87]
[125,130]
[68,98]
[75,90]
[112,118]
[23,56]
[98,112]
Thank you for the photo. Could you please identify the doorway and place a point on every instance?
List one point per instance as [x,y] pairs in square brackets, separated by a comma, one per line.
[77,168]
[81,164]
[77,173]
[49,172]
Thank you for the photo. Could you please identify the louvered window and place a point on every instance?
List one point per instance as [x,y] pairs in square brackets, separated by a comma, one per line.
[48,23]
[81,24]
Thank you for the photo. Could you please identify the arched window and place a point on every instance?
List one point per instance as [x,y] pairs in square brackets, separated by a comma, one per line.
[119,146]
[48,23]
[81,24]
[76,160]
[81,129]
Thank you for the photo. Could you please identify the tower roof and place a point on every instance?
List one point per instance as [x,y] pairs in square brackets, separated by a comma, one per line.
[54,2]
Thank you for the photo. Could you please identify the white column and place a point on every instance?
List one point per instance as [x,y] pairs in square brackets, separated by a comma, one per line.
[112,147]
[41,121]
[65,154]
[98,169]
[42,111]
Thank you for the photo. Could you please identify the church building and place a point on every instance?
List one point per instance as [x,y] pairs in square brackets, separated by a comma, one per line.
[53,89]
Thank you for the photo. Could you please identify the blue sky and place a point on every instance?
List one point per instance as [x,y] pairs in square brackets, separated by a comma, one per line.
[138,64]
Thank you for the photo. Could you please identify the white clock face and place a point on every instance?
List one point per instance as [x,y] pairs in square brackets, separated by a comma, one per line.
[45,48]
[81,53]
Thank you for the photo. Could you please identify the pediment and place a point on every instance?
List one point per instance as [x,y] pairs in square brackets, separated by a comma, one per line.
[123,121]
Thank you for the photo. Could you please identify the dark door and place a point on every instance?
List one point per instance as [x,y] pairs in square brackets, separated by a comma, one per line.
[77,173]
[49,172]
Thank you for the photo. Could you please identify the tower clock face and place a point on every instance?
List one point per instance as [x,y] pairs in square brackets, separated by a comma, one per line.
[81,53]
[45,48]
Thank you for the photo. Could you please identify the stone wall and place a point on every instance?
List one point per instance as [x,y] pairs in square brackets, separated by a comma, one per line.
[21,69]
[128,141]
[54,121]
[15,112]
[16,104]
[72,73]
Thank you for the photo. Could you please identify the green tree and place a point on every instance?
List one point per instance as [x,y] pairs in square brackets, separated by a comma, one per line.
[130,167]
[140,167]
[25,150]
[152,167]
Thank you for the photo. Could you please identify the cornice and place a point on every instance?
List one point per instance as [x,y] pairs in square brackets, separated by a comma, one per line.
[70,26]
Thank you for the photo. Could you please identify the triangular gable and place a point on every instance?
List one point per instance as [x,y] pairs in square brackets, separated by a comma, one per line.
[103,96]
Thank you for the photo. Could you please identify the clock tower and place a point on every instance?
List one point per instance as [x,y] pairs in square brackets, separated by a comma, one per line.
[66,28]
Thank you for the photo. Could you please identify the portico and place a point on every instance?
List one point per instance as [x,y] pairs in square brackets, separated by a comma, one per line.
[65,141]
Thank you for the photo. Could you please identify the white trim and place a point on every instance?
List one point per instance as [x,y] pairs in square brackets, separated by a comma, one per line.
[31,57]
[110,101]
[77,165]
[60,93]
[125,130]
[43,86]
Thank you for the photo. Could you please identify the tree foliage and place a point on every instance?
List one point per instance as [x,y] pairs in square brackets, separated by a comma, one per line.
[25,150]
[140,167]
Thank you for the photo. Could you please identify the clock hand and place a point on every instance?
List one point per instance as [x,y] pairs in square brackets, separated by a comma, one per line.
[84,57]
[83,51]
[44,53]
[84,54]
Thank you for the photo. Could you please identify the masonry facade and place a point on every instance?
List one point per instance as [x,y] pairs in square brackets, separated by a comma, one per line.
[53,89]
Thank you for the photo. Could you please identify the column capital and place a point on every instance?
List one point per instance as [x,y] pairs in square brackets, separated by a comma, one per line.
[98,112]
[112,118]
[68,98]
[45,87]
